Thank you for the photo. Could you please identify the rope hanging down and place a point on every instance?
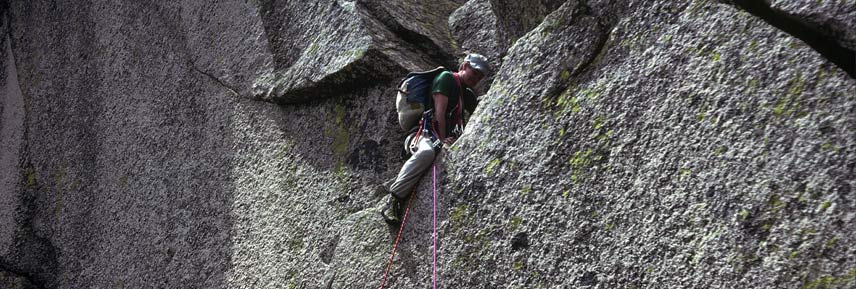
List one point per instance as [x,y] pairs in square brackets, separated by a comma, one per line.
[398,237]
[434,275]
[401,229]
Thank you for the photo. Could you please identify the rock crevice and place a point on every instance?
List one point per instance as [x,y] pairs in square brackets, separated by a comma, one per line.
[12,279]
[215,79]
[819,39]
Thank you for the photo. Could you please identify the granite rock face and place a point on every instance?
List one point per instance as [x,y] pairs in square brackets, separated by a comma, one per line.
[674,145]
[516,18]
[835,18]
[240,144]
[13,281]
[474,28]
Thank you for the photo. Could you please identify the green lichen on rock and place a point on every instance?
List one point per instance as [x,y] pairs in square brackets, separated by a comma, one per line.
[832,281]
[337,130]
[743,214]
[459,216]
[789,104]
[526,189]
[491,166]
[296,244]
[517,265]
[568,103]
[514,223]
[30,178]
[581,161]
[598,122]
[564,75]
[830,147]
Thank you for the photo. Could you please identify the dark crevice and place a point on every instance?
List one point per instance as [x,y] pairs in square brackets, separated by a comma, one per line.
[329,250]
[22,245]
[520,242]
[421,42]
[330,282]
[585,66]
[31,282]
[815,37]
[36,256]
[355,76]
[215,79]
[600,48]
[517,18]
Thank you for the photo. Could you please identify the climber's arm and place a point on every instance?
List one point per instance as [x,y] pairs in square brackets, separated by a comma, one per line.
[440,102]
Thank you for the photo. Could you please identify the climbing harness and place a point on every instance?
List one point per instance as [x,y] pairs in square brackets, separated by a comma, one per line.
[428,119]
[423,128]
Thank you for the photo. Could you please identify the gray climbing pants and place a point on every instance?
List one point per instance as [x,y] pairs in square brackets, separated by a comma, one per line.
[413,169]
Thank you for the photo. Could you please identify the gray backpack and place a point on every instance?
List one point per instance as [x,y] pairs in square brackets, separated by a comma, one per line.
[414,97]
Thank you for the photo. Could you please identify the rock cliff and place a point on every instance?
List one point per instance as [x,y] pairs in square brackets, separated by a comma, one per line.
[239,144]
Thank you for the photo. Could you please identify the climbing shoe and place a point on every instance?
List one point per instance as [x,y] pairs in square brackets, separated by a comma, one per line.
[391,211]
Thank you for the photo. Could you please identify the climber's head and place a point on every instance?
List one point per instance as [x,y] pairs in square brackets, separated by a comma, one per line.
[474,69]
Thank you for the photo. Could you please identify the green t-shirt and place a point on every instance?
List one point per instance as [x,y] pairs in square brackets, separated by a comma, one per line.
[445,84]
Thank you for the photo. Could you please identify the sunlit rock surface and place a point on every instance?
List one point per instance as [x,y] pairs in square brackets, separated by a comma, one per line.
[240,144]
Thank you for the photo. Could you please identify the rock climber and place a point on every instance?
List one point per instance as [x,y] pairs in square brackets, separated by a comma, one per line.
[445,128]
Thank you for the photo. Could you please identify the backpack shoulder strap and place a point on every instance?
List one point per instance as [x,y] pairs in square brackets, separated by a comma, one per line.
[458,110]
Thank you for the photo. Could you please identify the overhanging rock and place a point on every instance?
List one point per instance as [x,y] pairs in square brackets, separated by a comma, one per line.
[339,46]
[836,19]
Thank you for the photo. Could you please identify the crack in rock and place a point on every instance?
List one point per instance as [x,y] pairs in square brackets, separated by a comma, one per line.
[215,79]
[815,37]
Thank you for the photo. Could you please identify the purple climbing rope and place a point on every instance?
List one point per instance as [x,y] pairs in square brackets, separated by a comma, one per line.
[434,275]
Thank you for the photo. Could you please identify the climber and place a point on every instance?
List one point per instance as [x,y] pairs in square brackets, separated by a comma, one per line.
[448,91]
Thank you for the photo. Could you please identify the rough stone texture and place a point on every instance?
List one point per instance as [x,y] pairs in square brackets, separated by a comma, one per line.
[12,281]
[332,47]
[664,144]
[835,17]
[678,156]
[420,24]
[516,18]
[474,27]
[11,130]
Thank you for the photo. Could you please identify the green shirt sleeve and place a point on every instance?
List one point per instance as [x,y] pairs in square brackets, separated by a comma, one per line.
[445,84]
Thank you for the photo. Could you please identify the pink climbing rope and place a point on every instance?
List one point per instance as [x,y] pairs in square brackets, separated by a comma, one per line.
[398,238]
[401,229]
[434,275]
